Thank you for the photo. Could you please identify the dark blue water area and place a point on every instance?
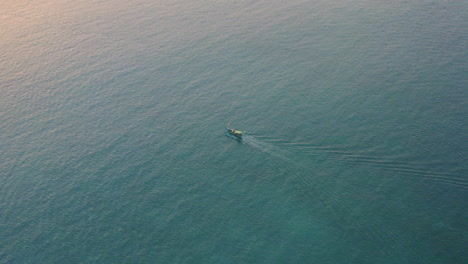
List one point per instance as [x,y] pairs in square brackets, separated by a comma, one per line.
[113,148]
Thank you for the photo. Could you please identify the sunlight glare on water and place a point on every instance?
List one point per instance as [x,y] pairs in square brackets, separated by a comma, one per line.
[113,147]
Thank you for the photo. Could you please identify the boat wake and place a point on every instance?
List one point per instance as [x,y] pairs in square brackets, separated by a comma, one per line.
[266,147]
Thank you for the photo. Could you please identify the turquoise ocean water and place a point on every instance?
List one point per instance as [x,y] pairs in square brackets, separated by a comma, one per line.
[112,116]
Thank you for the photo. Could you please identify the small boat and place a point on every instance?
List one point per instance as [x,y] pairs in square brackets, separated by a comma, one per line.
[234,132]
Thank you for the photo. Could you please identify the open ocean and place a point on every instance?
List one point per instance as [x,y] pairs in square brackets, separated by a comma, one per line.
[112,145]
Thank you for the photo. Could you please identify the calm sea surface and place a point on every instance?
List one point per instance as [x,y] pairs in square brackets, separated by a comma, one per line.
[112,116]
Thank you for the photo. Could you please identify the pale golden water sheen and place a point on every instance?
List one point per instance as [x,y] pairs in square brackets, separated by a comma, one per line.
[112,145]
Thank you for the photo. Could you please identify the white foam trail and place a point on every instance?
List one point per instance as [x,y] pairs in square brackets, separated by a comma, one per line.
[266,147]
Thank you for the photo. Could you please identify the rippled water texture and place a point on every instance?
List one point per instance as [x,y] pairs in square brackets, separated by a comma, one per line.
[112,145]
